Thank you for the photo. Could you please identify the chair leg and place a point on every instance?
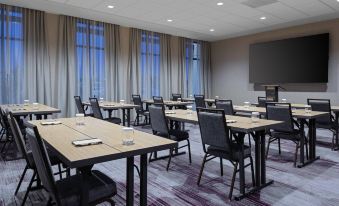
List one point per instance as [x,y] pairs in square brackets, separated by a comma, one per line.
[138,171]
[202,169]
[306,145]
[150,157]
[296,155]
[252,171]
[233,180]
[279,146]
[28,188]
[169,159]
[189,151]
[249,140]
[59,168]
[21,178]
[268,146]
[221,168]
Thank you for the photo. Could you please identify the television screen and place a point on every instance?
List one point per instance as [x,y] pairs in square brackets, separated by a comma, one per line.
[296,60]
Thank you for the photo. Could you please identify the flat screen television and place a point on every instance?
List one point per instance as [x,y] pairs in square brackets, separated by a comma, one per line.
[295,60]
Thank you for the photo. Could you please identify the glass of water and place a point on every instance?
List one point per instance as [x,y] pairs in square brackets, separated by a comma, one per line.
[35,105]
[284,100]
[26,102]
[189,109]
[255,117]
[308,109]
[179,100]
[80,119]
[128,136]
[247,105]
[101,100]
[122,102]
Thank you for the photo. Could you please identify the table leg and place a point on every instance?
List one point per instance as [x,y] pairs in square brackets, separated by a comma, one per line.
[130,181]
[336,114]
[85,172]
[257,159]
[128,117]
[123,117]
[263,158]
[241,163]
[302,141]
[143,180]
[110,113]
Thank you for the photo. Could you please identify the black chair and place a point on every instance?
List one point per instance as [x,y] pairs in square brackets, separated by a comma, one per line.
[175,97]
[262,101]
[225,105]
[28,156]
[287,130]
[325,121]
[217,143]
[159,125]
[80,106]
[199,101]
[68,191]
[97,112]
[158,100]
[7,132]
[140,110]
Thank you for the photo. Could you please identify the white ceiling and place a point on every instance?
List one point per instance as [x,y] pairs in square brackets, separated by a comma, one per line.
[193,18]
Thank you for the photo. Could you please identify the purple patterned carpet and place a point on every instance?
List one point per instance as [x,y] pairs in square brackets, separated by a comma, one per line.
[316,184]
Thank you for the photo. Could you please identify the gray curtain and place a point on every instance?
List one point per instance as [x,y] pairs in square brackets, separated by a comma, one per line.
[205,58]
[165,66]
[37,70]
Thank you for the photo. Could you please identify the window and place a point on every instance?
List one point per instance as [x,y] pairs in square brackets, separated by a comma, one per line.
[150,64]
[90,54]
[11,56]
[193,68]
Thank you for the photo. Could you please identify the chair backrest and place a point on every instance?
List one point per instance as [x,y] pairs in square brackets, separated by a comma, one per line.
[175,97]
[213,128]
[159,122]
[226,105]
[137,101]
[79,104]
[199,101]
[95,108]
[280,112]
[158,100]
[4,120]
[18,137]
[262,101]
[321,105]
[41,160]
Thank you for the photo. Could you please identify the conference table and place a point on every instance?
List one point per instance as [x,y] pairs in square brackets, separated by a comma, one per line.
[169,103]
[303,117]
[243,126]
[110,106]
[23,110]
[59,138]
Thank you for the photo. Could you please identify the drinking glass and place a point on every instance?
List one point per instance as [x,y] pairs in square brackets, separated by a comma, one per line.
[35,105]
[247,105]
[26,102]
[189,109]
[101,100]
[255,117]
[128,136]
[179,100]
[308,108]
[283,100]
[80,119]
[122,102]
[216,97]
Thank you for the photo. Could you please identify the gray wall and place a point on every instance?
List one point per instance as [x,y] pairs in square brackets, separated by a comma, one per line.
[230,66]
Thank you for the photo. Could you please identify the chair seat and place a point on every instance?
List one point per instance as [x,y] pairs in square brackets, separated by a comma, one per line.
[294,135]
[114,120]
[178,135]
[101,187]
[221,152]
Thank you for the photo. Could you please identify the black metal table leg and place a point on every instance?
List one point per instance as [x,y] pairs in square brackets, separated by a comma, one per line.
[128,117]
[336,114]
[312,144]
[241,163]
[130,181]
[302,142]
[143,180]
[257,159]
[85,172]
[262,157]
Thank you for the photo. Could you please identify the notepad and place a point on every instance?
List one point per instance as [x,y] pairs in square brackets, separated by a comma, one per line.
[169,112]
[231,121]
[50,122]
[86,142]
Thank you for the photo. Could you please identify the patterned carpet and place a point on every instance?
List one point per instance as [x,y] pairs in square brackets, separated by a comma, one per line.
[316,184]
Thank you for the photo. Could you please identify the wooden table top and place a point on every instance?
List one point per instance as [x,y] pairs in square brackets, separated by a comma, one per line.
[60,137]
[168,102]
[112,105]
[188,99]
[242,124]
[21,109]
[297,113]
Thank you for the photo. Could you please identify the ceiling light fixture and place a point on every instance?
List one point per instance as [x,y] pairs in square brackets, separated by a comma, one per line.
[263,17]
[211,29]
[169,20]
[110,6]
[221,3]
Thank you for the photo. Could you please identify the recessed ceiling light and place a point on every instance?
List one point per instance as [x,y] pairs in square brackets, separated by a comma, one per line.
[169,20]
[211,29]
[110,6]
[263,17]
[221,3]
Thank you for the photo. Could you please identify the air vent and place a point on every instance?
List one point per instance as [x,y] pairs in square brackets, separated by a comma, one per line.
[258,3]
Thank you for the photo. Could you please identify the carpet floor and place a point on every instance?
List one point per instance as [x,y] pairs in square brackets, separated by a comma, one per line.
[315,184]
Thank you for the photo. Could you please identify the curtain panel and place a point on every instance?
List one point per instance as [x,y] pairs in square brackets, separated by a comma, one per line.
[87,62]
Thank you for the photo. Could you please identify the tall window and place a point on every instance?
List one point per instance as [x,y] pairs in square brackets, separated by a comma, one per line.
[90,54]
[193,68]
[11,55]
[150,64]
